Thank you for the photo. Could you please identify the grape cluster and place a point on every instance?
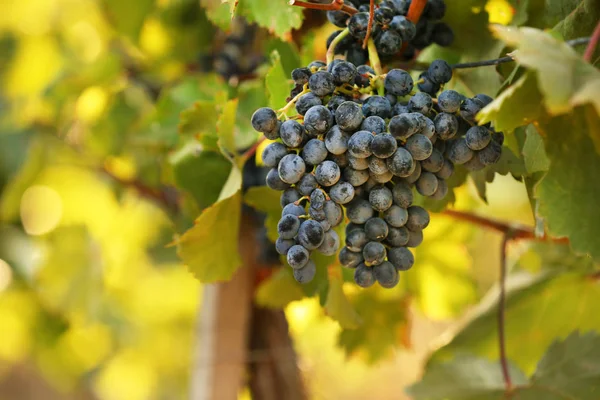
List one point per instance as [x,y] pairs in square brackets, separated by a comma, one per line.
[350,149]
[394,35]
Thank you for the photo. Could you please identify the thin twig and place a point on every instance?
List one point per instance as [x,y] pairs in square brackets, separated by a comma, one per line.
[331,49]
[589,51]
[501,312]
[415,10]
[517,231]
[370,25]
[334,5]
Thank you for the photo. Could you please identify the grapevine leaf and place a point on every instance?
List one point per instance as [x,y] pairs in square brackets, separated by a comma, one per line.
[210,247]
[266,200]
[580,17]
[561,74]
[127,19]
[534,153]
[465,378]
[226,128]
[232,185]
[276,81]
[218,12]
[279,290]
[539,308]
[275,15]
[232,6]
[339,308]
[569,192]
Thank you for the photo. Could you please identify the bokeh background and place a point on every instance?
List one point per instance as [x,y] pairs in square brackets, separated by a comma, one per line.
[93,304]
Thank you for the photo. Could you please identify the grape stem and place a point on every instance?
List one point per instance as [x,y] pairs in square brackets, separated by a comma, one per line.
[589,51]
[334,5]
[501,314]
[415,10]
[370,24]
[374,57]
[293,101]
[333,45]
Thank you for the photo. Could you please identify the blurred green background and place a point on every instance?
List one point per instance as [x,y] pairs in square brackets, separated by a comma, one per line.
[93,305]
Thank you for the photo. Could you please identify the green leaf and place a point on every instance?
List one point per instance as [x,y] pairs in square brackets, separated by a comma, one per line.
[232,185]
[266,200]
[465,378]
[277,83]
[279,290]
[275,15]
[289,53]
[580,17]
[538,310]
[561,73]
[218,12]
[569,192]
[128,19]
[210,247]
[534,153]
[339,308]
[226,129]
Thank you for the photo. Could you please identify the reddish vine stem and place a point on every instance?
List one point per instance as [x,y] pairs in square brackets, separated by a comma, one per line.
[334,5]
[250,152]
[370,25]
[415,10]
[501,313]
[589,51]
[516,231]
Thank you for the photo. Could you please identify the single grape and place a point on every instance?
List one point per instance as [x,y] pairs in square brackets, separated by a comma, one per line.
[415,175]
[288,226]
[415,238]
[338,18]
[434,162]
[436,9]
[404,27]
[349,116]
[327,173]
[274,181]
[282,246]
[440,72]
[357,56]
[418,218]
[297,256]
[400,7]
[446,171]
[427,85]
[377,105]
[359,211]
[363,276]
[396,216]
[469,109]
[383,146]
[403,126]
[264,120]
[335,101]
[306,184]
[314,152]
[356,240]
[459,152]
[317,215]
[373,124]
[342,192]
[291,133]
[307,101]
[290,195]
[301,75]
[397,237]
[344,72]
[490,154]
[355,177]
[317,199]
[318,120]
[380,198]
[383,15]
[398,82]
[429,129]
[350,259]
[474,164]
[427,184]
[331,243]
[420,102]
[359,164]
[310,234]
[498,137]
[376,229]
[306,273]
[357,25]
[449,101]
[382,178]
[442,190]
[392,99]
[359,144]
[484,99]
[478,137]
[336,140]
[321,83]
[442,34]
[388,43]
[291,168]
[273,153]
[362,77]
[377,166]
[446,125]
[374,253]
[386,274]
[333,63]
[419,147]
[333,213]
[401,163]
[401,258]
[293,209]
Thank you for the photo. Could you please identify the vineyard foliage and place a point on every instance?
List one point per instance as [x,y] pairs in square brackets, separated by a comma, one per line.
[122,155]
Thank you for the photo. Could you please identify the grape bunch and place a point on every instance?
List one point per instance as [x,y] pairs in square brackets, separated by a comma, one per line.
[393,34]
[352,151]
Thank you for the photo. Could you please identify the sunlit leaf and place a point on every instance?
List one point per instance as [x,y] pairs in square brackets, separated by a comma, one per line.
[339,308]
[279,290]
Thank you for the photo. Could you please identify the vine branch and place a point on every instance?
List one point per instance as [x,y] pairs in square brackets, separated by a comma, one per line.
[370,24]
[501,314]
[415,10]
[589,51]
[333,6]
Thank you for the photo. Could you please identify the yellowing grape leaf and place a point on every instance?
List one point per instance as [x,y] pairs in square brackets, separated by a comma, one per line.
[279,290]
[210,247]
[266,200]
[339,308]
[275,15]
[226,129]
[277,83]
